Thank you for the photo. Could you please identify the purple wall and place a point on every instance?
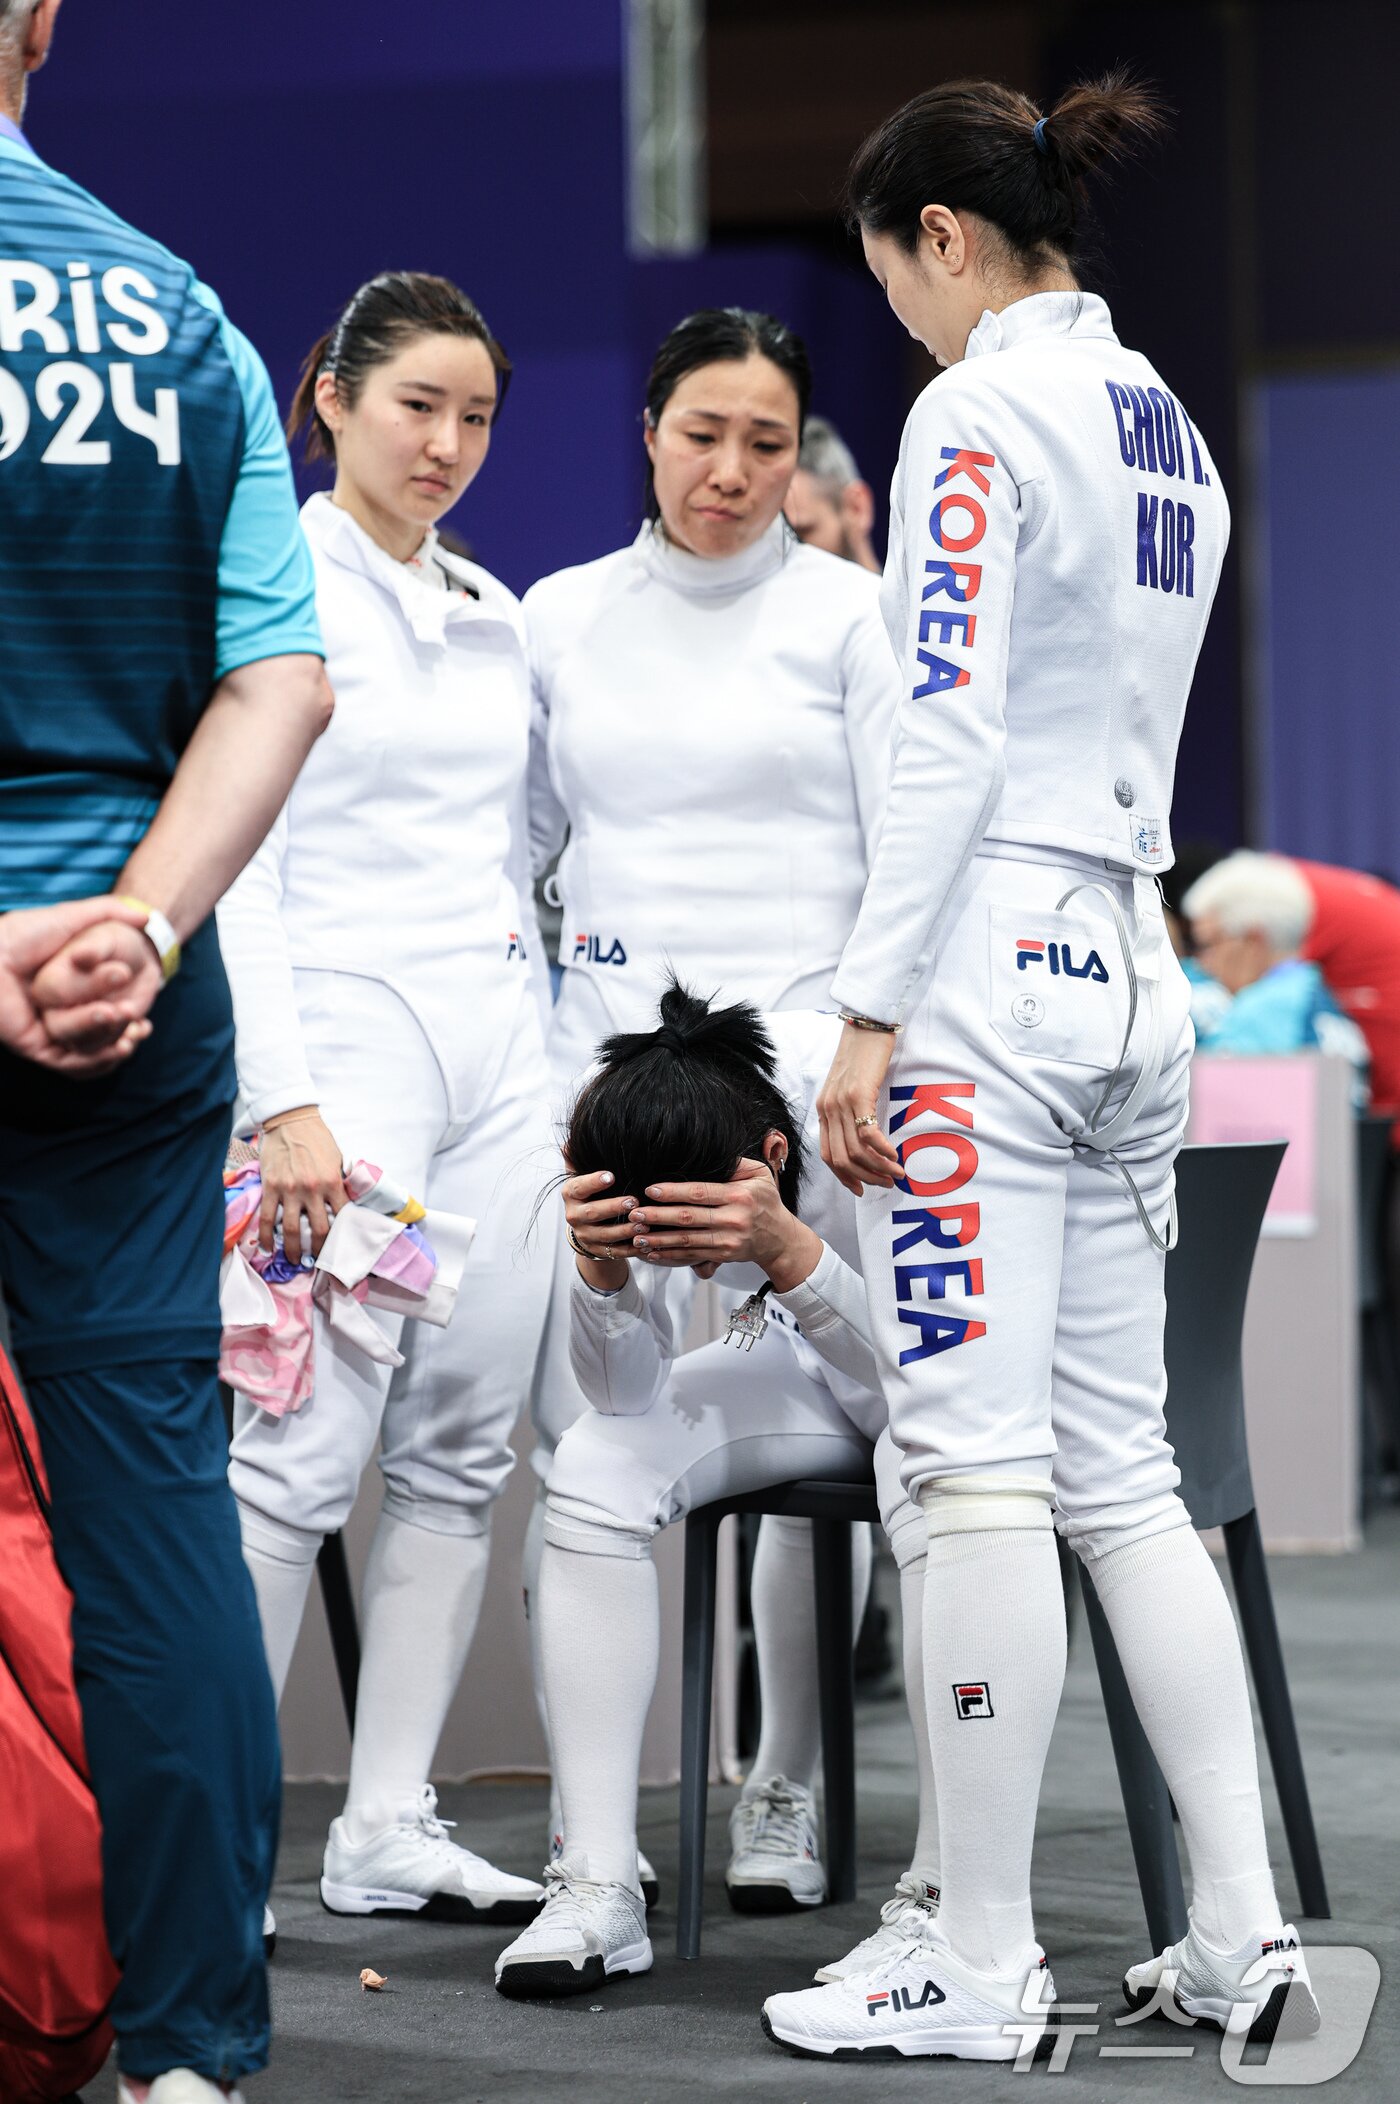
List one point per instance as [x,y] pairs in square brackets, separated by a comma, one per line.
[1330,449]
[291,150]
[318,144]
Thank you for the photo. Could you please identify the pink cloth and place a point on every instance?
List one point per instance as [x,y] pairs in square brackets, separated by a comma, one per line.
[369,1259]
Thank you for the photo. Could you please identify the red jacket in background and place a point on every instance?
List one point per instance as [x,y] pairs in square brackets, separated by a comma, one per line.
[1355,942]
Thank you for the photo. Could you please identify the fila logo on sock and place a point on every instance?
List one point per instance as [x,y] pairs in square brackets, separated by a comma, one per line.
[974,1699]
[903,1998]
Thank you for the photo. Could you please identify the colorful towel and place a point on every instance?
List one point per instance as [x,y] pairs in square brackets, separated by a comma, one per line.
[375,1256]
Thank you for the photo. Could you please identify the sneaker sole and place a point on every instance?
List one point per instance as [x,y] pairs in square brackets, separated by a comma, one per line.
[437,1906]
[769,1896]
[544,1979]
[915,2045]
[269,1945]
[651,1891]
[1290,2012]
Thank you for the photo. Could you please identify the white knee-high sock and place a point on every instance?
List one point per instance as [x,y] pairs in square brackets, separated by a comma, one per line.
[422,1597]
[1176,1637]
[785,1636]
[530,1587]
[994,1665]
[924,1861]
[281,1561]
[599,1629]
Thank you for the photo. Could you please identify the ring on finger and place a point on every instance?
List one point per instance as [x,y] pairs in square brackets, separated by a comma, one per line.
[869,1120]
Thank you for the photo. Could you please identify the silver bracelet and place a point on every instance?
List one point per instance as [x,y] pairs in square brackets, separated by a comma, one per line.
[866,1022]
[587,1254]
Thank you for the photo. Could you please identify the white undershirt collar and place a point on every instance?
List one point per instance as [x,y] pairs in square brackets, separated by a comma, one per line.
[698,574]
[1041,314]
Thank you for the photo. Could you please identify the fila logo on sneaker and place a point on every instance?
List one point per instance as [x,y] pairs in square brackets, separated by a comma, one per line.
[1058,957]
[973,1698]
[903,1998]
[1278,1943]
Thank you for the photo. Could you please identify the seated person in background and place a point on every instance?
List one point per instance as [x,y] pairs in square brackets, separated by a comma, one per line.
[828,505]
[720,1104]
[1248,918]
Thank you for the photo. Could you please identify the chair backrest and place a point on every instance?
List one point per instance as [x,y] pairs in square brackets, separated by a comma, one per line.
[1221,1193]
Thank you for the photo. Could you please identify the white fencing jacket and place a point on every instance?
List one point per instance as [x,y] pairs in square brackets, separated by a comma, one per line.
[715,734]
[622,1344]
[391,858]
[1056,535]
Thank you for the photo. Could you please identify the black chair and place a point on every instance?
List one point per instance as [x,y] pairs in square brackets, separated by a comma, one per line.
[1380,1372]
[833,1508]
[1221,1196]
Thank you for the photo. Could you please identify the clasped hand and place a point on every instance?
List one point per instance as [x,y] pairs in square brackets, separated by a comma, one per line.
[76,984]
[701,1225]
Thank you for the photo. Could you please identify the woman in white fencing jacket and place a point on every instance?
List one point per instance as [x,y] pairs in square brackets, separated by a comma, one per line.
[1011,1083]
[713,709]
[384,1011]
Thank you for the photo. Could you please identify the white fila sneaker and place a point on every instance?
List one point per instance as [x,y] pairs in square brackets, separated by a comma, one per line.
[413,1868]
[910,1914]
[1262,1988]
[921,2003]
[269,1932]
[646,1876]
[181,2086]
[774,1866]
[585,1933]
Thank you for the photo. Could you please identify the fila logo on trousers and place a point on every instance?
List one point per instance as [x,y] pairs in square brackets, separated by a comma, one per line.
[1057,955]
[589,949]
[903,1998]
[937,1164]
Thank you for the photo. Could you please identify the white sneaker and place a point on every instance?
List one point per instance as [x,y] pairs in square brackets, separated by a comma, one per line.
[413,1868]
[646,1876]
[269,1932]
[181,2086]
[924,2001]
[909,1914]
[584,1934]
[773,1861]
[1262,1987]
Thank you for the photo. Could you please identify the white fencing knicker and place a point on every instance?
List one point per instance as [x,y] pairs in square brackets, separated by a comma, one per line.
[1037,1097]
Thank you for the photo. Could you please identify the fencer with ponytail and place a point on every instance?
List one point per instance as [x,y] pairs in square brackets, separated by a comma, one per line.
[980,147]
[686,1102]
[376,323]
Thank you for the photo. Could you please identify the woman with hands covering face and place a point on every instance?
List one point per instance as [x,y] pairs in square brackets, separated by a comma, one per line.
[709,1128]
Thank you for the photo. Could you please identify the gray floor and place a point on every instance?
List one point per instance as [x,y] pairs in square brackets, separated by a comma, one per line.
[440,2032]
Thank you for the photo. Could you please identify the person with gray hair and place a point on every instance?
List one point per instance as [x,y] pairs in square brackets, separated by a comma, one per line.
[1250,915]
[828,504]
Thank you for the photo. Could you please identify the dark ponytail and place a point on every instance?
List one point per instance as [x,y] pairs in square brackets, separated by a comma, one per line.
[976,146]
[685,1103]
[383,317]
[713,336]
